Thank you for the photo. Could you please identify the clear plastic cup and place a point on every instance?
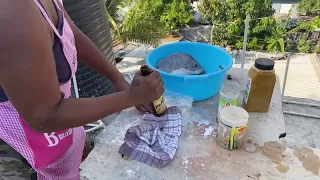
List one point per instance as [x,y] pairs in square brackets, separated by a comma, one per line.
[229,94]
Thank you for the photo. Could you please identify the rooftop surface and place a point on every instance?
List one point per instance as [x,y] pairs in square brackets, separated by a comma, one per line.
[301,132]
[302,86]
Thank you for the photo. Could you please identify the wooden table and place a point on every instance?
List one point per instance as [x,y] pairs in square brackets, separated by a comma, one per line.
[199,156]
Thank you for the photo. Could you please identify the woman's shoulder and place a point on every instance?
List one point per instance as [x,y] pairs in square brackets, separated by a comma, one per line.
[19,20]
[18,9]
[23,33]
[18,15]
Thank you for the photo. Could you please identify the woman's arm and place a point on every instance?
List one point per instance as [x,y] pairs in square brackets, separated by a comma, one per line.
[92,56]
[28,76]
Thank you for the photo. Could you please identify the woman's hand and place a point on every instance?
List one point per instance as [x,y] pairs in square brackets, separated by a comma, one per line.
[123,85]
[145,89]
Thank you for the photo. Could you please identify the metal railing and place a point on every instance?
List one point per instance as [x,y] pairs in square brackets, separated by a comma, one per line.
[92,126]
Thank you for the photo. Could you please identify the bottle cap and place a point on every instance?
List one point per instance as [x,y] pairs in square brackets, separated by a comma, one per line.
[264,64]
[145,70]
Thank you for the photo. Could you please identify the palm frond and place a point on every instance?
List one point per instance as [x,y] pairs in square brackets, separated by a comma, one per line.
[272,45]
[286,24]
[281,44]
[113,7]
[147,32]
[113,23]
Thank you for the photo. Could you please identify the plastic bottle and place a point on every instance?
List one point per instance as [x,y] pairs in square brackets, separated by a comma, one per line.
[158,106]
[229,94]
[259,86]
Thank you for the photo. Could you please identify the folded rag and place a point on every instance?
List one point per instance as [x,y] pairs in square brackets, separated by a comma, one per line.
[155,141]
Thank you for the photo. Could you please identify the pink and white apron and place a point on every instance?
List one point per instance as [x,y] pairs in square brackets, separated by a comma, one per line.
[55,155]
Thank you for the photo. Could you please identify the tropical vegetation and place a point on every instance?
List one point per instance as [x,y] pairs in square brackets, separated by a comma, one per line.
[148,21]
[266,32]
[309,7]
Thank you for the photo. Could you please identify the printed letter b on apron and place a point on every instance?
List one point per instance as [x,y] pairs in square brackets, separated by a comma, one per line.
[47,147]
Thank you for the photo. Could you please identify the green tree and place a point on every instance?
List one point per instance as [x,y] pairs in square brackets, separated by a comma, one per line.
[275,32]
[255,44]
[305,46]
[302,45]
[215,11]
[317,48]
[292,46]
[176,14]
[228,17]
[310,7]
[142,22]
[112,12]
[149,20]
[308,26]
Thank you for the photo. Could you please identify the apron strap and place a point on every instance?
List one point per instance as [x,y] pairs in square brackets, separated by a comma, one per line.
[48,19]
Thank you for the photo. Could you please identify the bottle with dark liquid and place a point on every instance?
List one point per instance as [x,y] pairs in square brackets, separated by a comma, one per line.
[158,106]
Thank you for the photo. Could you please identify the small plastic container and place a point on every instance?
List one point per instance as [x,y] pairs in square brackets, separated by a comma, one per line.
[233,122]
[229,94]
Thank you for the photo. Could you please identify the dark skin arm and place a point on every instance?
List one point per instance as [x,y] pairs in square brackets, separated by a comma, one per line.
[92,56]
[28,76]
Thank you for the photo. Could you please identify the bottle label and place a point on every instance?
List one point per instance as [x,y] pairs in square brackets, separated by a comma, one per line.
[247,90]
[160,105]
[230,137]
[227,102]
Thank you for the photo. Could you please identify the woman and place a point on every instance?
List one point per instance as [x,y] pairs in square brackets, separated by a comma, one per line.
[38,55]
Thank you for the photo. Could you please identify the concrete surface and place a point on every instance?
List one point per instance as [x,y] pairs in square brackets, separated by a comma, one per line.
[193,155]
[302,85]
[302,131]
[302,79]
[199,157]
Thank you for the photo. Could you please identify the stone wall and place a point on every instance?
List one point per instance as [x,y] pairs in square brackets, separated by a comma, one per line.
[196,34]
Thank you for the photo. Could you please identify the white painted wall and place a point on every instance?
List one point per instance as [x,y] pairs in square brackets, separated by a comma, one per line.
[276,7]
[283,8]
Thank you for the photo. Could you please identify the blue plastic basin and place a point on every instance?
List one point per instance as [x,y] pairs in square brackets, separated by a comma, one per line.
[199,87]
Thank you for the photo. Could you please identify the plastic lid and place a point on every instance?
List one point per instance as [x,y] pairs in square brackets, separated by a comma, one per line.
[234,116]
[264,64]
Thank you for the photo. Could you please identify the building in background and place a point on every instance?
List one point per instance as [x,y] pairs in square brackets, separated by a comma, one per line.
[282,7]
